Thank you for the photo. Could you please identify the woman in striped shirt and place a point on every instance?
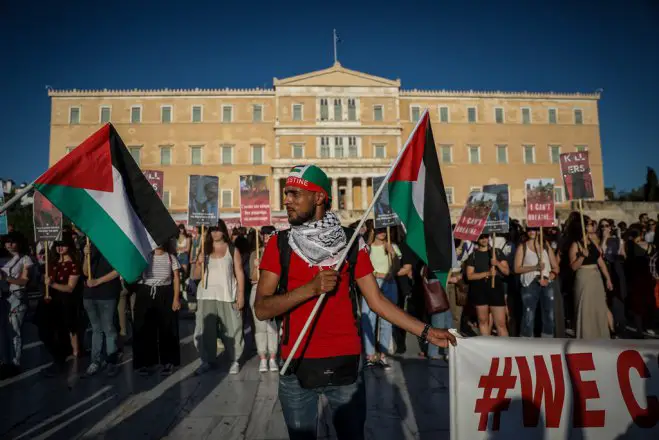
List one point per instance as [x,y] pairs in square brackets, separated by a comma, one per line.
[157,302]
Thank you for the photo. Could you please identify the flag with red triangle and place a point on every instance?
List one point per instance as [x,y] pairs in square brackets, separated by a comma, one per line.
[101,189]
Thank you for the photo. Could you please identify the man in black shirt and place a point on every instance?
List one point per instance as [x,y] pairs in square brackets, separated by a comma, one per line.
[100,301]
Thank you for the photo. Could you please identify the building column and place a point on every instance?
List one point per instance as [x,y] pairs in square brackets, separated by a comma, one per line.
[277,201]
[364,194]
[349,204]
[335,194]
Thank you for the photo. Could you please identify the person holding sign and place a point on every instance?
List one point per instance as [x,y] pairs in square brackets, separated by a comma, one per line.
[592,321]
[58,318]
[536,264]
[481,268]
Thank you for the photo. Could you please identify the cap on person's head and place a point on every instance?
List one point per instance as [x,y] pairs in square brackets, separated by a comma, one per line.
[311,178]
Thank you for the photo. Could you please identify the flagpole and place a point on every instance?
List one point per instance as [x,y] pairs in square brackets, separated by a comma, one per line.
[354,236]
[335,56]
[19,195]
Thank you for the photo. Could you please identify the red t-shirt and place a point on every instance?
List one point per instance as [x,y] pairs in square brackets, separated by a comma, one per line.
[61,271]
[335,332]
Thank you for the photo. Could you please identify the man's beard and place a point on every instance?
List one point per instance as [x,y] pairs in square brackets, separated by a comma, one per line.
[301,218]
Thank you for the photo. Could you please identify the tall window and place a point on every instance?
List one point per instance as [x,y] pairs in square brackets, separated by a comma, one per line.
[227,113]
[135,114]
[196,113]
[474,155]
[450,198]
[529,154]
[324,147]
[105,114]
[166,114]
[353,150]
[227,155]
[195,155]
[165,155]
[502,154]
[526,115]
[380,151]
[558,194]
[471,115]
[578,116]
[74,115]
[338,147]
[443,114]
[257,113]
[415,113]
[298,151]
[498,115]
[166,199]
[257,154]
[227,198]
[135,152]
[378,113]
[446,153]
[581,148]
[555,153]
[553,117]
[324,110]
[338,110]
[297,112]
[352,110]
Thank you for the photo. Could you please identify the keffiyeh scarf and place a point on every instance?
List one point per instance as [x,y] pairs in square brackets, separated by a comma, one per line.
[318,242]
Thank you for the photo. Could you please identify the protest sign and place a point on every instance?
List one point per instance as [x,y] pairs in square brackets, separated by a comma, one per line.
[156,179]
[203,200]
[526,388]
[4,230]
[578,180]
[540,209]
[254,201]
[232,221]
[384,215]
[47,219]
[498,221]
[474,216]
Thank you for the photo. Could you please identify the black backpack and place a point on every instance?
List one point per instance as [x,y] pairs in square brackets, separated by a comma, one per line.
[282,288]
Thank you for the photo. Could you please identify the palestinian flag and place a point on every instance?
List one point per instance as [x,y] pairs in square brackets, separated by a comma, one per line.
[100,188]
[417,195]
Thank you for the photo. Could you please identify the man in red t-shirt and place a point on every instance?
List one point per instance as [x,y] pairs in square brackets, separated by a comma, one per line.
[327,361]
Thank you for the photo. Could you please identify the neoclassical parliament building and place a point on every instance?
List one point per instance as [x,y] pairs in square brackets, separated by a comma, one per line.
[350,123]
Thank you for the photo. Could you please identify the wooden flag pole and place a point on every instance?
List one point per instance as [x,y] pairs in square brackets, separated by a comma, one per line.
[88,260]
[47,297]
[203,255]
[258,232]
[494,254]
[583,224]
[344,253]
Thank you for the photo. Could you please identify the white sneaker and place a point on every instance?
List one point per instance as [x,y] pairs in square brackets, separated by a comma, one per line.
[273,365]
[263,366]
[92,369]
[235,368]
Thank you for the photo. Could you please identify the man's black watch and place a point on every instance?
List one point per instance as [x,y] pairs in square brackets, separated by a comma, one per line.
[424,333]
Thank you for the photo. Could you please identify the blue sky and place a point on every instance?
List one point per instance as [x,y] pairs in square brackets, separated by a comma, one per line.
[554,45]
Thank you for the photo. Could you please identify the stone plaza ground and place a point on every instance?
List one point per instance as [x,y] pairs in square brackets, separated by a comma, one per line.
[408,401]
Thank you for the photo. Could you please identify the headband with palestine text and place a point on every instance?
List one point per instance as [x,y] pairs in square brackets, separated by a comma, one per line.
[311,178]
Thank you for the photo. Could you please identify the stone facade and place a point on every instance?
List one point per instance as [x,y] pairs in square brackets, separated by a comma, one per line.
[350,123]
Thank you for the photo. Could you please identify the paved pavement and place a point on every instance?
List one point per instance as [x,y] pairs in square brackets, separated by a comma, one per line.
[409,401]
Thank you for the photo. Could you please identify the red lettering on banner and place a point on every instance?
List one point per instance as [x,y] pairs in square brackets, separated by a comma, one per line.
[583,391]
[643,417]
[553,398]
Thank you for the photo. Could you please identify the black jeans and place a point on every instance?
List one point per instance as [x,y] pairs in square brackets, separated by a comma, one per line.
[156,338]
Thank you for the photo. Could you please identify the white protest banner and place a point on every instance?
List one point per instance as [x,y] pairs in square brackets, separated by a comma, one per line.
[524,388]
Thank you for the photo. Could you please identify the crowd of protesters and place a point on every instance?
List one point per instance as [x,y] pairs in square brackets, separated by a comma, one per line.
[603,285]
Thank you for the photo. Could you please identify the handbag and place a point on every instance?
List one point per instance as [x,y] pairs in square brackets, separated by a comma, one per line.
[315,373]
[434,294]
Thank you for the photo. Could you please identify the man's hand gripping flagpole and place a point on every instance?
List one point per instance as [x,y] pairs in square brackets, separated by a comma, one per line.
[344,254]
